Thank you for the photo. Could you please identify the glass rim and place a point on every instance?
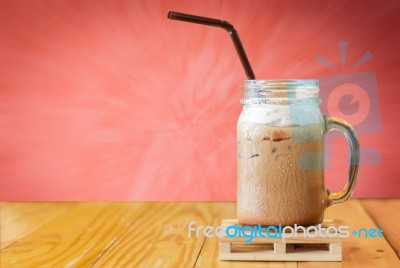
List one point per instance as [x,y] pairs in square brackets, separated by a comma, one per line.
[281,91]
[282,83]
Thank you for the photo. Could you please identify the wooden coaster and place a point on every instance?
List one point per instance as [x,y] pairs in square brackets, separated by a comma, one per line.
[298,248]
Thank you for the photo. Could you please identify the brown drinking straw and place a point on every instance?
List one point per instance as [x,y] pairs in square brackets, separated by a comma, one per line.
[224,25]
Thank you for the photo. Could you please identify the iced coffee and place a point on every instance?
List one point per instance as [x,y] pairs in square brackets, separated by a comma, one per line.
[280,174]
[280,158]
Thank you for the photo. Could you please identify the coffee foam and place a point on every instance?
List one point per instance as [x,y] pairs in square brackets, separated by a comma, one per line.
[260,115]
[281,116]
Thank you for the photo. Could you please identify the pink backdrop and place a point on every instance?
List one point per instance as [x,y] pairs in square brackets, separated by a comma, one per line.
[110,100]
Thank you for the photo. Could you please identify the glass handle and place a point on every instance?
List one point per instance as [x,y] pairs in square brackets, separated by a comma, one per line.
[332,123]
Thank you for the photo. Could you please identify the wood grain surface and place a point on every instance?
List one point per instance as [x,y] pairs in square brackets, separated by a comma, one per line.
[386,214]
[155,234]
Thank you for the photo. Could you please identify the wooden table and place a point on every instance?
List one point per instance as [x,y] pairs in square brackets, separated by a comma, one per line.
[155,234]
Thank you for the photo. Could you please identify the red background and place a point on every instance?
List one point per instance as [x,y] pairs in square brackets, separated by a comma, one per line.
[110,100]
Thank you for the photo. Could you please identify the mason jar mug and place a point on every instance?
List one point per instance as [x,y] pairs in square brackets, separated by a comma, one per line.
[280,156]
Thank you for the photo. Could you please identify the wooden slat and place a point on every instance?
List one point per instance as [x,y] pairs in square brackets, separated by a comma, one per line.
[19,219]
[159,238]
[209,256]
[77,238]
[386,214]
[357,252]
